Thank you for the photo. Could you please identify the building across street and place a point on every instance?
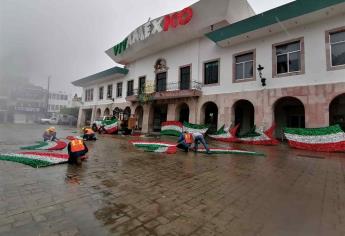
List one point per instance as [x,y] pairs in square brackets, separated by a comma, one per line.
[219,63]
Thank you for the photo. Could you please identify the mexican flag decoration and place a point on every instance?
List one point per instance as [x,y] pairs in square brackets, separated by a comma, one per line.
[171,128]
[328,139]
[193,128]
[35,159]
[48,145]
[258,136]
[230,151]
[111,126]
[159,147]
[224,135]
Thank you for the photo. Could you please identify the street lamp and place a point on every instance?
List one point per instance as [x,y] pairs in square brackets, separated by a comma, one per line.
[263,80]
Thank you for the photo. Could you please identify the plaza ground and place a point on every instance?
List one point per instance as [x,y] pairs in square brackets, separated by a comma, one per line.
[123,191]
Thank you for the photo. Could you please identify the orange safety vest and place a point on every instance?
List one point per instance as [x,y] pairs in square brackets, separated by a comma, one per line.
[77,145]
[89,131]
[188,138]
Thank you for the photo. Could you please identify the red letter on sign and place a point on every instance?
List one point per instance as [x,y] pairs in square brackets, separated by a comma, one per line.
[181,18]
[185,16]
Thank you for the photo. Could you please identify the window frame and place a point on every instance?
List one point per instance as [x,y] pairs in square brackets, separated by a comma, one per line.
[302,58]
[117,90]
[204,76]
[328,44]
[130,81]
[190,76]
[89,94]
[111,90]
[139,88]
[99,93]
[234,71]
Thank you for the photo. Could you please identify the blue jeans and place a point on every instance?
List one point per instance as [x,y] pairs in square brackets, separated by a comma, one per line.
[202,140]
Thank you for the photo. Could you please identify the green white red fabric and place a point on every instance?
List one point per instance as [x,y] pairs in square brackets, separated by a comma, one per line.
[35,159]
[328,139]
[48,145]
[229,151]
[224,135]
[159,147]
[257,137]
[111,126]
[175,128]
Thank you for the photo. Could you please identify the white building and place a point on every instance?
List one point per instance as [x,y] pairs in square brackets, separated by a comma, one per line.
[200,65]
[58,101]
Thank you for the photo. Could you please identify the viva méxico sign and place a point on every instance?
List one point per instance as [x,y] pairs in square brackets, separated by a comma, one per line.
[154,27]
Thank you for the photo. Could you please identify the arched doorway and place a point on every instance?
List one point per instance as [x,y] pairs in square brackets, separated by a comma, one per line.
[337,111]
[288,112]
[106,112]
[139,114]
[209,113]
[127,113]
[157,115]
[98,113]
[182,113]
[243,111]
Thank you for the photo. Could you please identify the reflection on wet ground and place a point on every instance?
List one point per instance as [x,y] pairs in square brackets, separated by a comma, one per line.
[123,191]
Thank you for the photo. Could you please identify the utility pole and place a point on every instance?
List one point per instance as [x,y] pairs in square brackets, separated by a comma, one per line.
[48,88]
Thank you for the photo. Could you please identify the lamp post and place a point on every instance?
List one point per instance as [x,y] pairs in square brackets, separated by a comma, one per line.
[263,79]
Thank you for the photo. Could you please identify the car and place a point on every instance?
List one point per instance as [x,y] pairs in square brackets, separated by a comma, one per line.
[96,124]
[49,121]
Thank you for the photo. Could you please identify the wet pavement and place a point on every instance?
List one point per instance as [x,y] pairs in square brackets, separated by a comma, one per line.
[123,191]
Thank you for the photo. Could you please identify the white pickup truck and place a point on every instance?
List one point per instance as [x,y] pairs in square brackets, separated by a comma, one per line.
[49,121]
[98,122]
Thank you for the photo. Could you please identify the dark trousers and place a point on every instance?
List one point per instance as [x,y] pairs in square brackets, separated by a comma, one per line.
[184,146]
[75,157]
[201,140]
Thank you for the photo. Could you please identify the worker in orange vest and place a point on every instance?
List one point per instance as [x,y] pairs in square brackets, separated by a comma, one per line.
[185,141]
[89,134]
[76,151]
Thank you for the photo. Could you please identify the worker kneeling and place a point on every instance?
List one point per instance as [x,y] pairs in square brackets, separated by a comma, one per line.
[49,134]
[185,141]
[89,134]
[76,151]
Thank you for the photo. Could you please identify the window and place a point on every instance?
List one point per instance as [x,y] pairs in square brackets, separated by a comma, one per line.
[185,77]
[110,91]
[119,90]
[101,92]
[244,66]
[89,95]
[211,72]
[337,48]
[161,82]
[289,58]
[130,89]
[142,81]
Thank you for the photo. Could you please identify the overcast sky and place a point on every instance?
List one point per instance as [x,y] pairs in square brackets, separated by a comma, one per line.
[66,39]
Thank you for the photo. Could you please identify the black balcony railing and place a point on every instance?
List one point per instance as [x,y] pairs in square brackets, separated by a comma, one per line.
[175,86]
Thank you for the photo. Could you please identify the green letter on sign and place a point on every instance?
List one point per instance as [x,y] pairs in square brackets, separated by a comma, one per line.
[121,47]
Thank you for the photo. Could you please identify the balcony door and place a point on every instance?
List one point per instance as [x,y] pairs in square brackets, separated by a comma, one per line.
[161,81]
[185,78]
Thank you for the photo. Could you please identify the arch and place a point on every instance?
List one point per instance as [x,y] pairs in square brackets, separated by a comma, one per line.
[98,113]
[288,112]
[158,114]
[106,112]
[182,113]
[243,113]
[209,115]
[337,111]
[139,114]
[127,113]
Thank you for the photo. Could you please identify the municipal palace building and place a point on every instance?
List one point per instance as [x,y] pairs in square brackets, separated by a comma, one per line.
[218,62]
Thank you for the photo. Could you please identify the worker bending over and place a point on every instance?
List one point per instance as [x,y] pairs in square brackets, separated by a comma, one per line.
[49,134]
[199,137]
[89,134]
[76,151]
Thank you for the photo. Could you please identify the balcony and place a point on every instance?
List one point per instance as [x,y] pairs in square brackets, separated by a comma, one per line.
[166,91]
